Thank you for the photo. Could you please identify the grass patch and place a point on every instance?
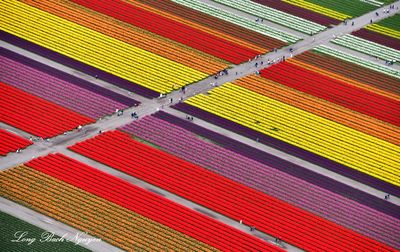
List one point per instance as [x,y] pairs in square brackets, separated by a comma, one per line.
[147,142]
[209,140]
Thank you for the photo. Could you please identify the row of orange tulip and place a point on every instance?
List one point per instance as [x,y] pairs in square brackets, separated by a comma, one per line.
[73,206]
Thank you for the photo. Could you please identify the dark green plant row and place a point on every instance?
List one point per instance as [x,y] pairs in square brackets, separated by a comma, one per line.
[18,235]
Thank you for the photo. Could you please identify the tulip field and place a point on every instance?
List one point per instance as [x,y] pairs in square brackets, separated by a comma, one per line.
[325,13]
[200,125]
[50,84]
[35,115]
[132,35]
[130,214]
[178,140]
[124,58]
[336,91]
[171,29]
[387,39]
[11,142]
[91,213]
[382,82]
[342,56]
[222,27]
[216,192]
[308,131]
[238,20]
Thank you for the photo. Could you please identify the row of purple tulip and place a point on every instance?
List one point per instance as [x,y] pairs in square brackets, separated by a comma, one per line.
[269,180]
[80,66]
[56,90]
[290,149]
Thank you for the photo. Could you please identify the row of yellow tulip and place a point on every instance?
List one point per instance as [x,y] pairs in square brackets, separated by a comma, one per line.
[324,137]
[94,48]
[323,108]
[132,35]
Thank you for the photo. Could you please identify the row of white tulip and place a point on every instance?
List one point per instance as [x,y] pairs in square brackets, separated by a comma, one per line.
[353,59]
[275,16]
[238,20]
[368,47]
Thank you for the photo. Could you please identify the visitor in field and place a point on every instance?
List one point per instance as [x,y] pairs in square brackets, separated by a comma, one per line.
[119,112]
